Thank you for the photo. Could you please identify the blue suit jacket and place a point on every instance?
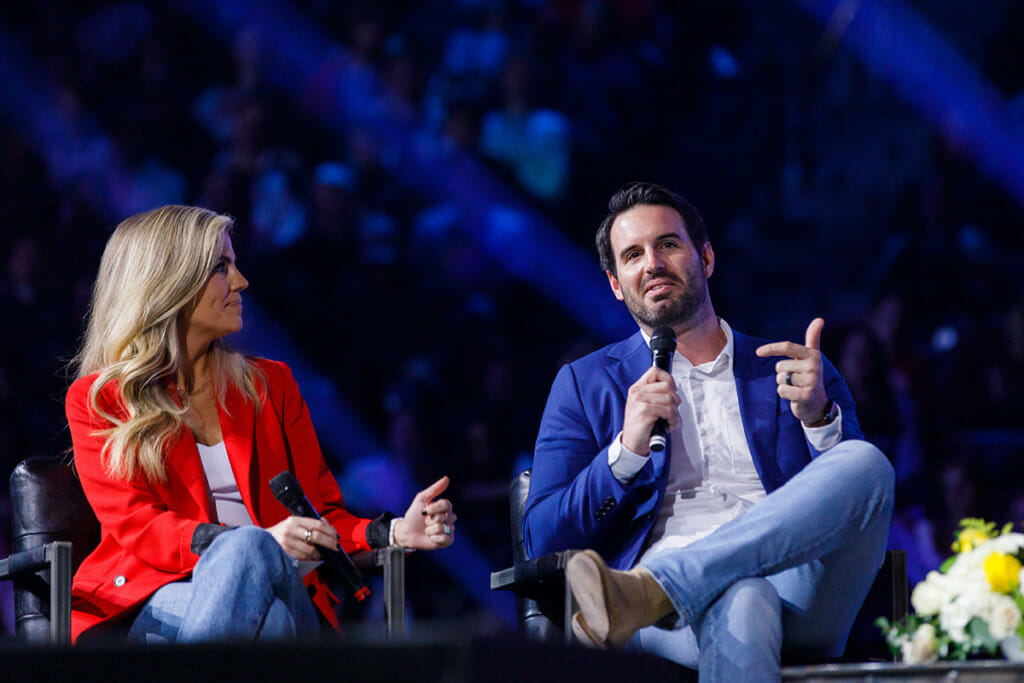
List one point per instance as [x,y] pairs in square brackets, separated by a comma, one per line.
[576,502]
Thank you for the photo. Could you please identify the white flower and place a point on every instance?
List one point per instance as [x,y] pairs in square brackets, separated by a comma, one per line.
[920,649]
[1007,543]
[968,598]
[952,600]
[929,595]
[1004,616]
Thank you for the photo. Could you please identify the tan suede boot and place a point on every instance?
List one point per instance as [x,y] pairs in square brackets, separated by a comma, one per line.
[613,604]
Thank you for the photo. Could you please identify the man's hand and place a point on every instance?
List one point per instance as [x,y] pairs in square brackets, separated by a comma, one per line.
[800,378]
[651,397]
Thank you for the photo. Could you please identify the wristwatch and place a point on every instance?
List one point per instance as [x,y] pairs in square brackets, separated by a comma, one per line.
[831,413]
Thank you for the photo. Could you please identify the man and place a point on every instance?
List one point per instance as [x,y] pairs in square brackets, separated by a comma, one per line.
[762,524]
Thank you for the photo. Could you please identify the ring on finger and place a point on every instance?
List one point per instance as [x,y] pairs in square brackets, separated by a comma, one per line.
[309,536]
[447,529]
[789,378]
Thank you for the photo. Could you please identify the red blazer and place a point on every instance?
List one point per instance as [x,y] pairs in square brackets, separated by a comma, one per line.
[146,529]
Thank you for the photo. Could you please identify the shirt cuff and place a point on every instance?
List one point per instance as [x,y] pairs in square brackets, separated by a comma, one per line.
[825,437]
[204,534]
[380,531]
[624,463]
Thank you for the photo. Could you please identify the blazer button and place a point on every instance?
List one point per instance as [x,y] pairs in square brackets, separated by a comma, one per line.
[120,581]
[650,516]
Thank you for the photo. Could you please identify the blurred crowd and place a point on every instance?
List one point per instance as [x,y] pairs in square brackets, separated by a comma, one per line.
[823,194]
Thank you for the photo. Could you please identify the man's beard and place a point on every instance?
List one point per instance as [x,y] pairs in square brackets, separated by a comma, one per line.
[683,305]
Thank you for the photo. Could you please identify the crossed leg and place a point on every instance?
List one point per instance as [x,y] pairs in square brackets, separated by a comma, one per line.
[812,547]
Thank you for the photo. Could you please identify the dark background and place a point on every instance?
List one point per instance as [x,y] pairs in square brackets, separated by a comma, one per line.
[416,186]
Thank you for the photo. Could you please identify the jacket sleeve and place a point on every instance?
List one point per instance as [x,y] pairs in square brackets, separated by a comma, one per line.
[133,512]
[574,498]
[311,469]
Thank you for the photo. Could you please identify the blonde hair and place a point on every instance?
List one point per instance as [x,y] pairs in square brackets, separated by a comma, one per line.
[153,270]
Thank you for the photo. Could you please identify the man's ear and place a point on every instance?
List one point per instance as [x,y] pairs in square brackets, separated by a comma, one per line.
[707,255]
[614,282]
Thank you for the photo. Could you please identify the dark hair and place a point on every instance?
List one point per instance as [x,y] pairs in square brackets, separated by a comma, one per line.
[635,193]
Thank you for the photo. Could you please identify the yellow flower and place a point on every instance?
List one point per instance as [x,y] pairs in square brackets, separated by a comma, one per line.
[1002,571]
[968,539]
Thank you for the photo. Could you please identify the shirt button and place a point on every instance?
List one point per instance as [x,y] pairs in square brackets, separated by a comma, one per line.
[120,581]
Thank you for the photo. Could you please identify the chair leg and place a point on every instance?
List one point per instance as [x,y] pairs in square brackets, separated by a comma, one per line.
[58,554]
[898,559]
[393,560]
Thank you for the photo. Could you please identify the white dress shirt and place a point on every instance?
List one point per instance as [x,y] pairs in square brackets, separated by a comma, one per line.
[711,477]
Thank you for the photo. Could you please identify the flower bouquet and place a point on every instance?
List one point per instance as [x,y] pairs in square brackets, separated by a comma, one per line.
[969,608]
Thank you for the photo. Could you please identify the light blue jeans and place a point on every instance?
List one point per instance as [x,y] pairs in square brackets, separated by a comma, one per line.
[792,570]
[244,587]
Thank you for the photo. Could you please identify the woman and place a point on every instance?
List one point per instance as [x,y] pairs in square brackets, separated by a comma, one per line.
[175,439]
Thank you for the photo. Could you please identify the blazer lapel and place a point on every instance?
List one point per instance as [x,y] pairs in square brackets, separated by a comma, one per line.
[627,361]
[237,424]
[184,461]
[759,405]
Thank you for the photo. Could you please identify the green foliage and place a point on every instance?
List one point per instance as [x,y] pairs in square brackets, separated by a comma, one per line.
[981,639]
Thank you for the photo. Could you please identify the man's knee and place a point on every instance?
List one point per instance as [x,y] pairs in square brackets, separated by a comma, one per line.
[866,464]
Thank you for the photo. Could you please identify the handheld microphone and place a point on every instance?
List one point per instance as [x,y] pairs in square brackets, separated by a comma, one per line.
[286,489]
[663,343]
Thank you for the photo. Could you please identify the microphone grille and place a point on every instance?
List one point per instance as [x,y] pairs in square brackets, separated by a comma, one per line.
[663,339]
[285,486]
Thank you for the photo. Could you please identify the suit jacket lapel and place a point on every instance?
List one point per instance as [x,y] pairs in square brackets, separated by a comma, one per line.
[627,361]
[759,405]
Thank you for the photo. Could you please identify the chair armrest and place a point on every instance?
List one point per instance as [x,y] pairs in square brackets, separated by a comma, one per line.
[523,574]
[30,560]
[55,558]
[391,560]
[529,578]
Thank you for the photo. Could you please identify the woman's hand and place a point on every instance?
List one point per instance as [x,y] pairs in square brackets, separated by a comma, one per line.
[428,524]
[299,536]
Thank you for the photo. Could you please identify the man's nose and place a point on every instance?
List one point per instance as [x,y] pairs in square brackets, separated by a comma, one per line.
[653,261]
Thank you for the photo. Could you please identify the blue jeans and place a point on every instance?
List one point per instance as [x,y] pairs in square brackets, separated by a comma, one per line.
[244,587]
[795,567]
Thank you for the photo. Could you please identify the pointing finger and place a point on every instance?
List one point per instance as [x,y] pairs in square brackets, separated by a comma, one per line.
[783,349]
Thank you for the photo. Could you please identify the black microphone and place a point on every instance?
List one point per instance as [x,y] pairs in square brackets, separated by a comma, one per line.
[663,343]
[286,489]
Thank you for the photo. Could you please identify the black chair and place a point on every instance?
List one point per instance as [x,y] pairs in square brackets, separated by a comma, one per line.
[544,604]
[53,528]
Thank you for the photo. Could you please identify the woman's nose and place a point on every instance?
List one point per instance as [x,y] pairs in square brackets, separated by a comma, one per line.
[239,282]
